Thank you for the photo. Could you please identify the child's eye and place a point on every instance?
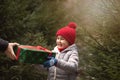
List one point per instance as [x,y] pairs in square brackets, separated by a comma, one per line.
[62,39]
[58,38]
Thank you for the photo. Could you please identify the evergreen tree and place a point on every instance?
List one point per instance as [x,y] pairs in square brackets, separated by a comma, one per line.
[101,38]
[28,22]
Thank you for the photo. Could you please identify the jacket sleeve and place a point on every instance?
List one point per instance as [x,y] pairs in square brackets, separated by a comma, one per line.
[3,45]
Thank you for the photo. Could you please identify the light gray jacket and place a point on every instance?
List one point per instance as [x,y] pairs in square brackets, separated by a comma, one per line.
[67,65]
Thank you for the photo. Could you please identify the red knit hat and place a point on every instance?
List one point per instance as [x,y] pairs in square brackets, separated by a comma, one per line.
[68,32]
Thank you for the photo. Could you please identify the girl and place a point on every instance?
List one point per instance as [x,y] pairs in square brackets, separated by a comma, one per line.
[64,66]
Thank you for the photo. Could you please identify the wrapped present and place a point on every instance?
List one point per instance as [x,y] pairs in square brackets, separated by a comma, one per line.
[32,54]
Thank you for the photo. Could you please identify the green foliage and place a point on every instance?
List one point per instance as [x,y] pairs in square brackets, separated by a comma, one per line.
[30,16]
[101,41]
[47,18]
[25,71]
[37,39]
[28,22]
[34,22]
[13,14]
[100,57]
[10,70]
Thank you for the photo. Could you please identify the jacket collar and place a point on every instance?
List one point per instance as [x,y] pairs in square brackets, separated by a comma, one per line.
[71,47]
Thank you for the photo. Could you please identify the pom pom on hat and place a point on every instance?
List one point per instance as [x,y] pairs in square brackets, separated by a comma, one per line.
[68,32]
[72,25]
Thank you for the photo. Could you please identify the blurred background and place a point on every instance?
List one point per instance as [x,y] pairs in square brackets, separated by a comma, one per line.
[35,22]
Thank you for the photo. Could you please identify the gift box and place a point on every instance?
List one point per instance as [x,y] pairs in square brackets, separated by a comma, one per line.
[32,54]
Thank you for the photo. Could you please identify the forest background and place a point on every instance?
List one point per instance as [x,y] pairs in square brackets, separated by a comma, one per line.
[35,22]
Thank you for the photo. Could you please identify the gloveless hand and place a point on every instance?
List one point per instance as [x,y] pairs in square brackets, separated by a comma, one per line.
[9,51]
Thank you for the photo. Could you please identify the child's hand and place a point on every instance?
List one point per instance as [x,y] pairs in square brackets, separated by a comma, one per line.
[51,62]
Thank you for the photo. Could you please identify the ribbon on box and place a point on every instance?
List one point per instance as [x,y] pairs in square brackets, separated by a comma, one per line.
[24,51]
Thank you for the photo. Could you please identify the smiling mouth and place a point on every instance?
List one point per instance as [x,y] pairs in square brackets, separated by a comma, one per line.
[59,45]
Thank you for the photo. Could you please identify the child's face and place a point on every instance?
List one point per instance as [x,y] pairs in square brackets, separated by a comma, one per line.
[61,42]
